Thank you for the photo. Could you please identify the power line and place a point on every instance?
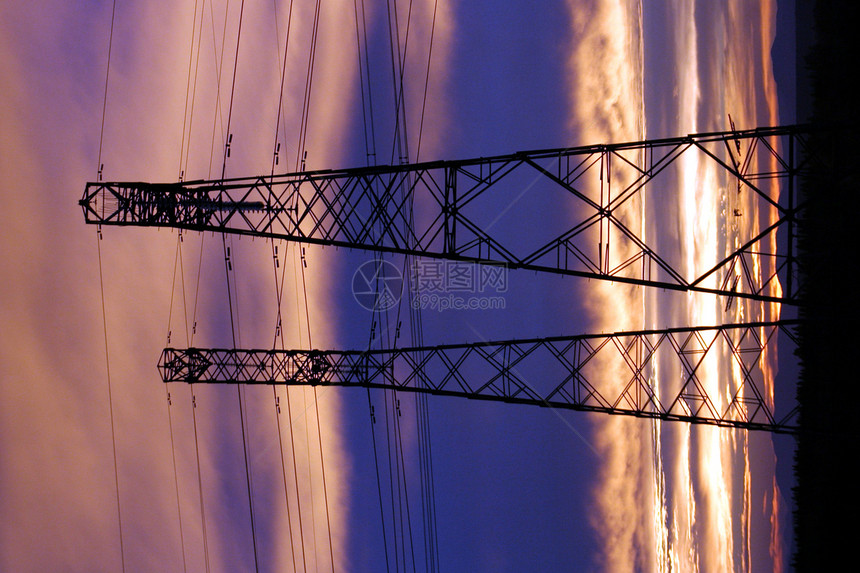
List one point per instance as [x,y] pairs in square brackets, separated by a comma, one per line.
[199,480]
[100,169]
[175,477]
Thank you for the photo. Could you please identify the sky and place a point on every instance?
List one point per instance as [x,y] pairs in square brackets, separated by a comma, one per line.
[102,467]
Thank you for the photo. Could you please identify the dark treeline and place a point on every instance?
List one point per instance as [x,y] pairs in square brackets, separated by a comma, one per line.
[826,495]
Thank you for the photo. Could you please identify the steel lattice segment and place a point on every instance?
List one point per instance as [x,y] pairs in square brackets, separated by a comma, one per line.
[572,211]
[608,373]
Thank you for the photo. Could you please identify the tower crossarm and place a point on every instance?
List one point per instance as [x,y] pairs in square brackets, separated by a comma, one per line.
[721,377]
[572,211]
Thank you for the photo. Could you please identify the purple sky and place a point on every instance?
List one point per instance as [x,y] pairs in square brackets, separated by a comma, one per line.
[516,488]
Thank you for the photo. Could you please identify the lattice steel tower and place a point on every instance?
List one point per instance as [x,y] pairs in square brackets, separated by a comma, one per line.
[454,219]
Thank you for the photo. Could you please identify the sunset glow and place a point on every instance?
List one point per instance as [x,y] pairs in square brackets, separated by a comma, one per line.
[120,471]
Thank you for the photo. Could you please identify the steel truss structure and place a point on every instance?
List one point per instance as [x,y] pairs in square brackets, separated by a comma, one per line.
[447,210]
[573,372]
[468,210]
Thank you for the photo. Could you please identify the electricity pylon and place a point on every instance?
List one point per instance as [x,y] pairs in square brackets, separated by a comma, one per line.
[571,372]
[458,211]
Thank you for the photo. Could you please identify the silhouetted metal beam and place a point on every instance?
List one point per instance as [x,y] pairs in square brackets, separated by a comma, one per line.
[584,205]
[608,373]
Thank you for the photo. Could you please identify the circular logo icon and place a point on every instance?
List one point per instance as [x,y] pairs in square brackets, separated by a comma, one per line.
[377,285]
